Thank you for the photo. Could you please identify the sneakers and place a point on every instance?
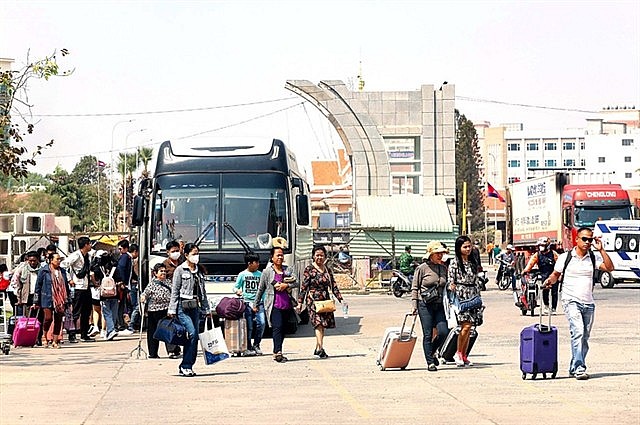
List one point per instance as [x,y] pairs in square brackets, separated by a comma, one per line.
[93,330]
[467,362]
[257,350]
[111,335]
[175,356]
[432,368]
[87,339]
[125,332]
[581,375]
[248,353]
[545,310]
[186,372]
[458,359]
[73,339]
[103,334]
[553,311]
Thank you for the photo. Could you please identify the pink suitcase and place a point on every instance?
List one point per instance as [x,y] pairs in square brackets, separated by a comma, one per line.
[26,332]
[397,345]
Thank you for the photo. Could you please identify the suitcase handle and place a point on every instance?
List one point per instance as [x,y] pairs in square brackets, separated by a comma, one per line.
[541,327]
[404,323]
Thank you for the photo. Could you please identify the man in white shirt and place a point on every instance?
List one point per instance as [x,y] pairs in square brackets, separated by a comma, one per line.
[77,265]
[577,293]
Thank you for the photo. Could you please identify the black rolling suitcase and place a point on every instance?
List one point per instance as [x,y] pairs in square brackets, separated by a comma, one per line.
[450,345]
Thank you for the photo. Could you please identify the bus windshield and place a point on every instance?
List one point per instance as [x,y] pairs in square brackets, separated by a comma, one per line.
[254,204]
[587,217]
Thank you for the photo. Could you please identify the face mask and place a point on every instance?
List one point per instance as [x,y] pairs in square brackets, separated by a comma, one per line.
[174,255]
[194,258]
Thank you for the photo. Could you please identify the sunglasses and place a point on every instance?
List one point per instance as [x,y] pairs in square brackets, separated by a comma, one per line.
[586,239]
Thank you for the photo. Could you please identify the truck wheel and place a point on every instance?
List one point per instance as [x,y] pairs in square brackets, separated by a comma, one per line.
[607,280]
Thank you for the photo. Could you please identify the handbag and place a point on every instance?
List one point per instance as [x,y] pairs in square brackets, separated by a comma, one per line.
[171,331]
[214,347]
[471,303]
[325,306]
[431,294]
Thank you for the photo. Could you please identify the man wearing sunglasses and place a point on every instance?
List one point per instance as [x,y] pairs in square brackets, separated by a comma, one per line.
[577,293]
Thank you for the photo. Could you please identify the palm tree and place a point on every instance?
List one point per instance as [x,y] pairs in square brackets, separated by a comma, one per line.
[127,164]
[145,155]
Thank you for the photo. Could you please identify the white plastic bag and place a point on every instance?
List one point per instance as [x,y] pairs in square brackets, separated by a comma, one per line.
[450,308]
[214,348]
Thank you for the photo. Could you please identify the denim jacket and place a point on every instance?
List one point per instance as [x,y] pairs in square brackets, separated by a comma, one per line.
[182,288]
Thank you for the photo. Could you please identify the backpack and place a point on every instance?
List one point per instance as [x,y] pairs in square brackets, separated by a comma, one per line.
[596,272]
[108,288]
[230,308]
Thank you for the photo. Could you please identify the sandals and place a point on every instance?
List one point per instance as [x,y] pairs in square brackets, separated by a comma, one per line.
[278,357]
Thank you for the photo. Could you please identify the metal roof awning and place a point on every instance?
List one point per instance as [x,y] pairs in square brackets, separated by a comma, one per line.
[405,213]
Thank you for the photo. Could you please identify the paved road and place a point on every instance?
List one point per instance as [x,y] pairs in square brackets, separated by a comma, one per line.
[99,383]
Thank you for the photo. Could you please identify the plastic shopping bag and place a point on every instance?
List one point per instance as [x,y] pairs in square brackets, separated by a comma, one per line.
[214,348]
[451,308]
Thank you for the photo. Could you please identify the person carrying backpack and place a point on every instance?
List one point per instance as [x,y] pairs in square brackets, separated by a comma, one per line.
[545,259]
[577,268]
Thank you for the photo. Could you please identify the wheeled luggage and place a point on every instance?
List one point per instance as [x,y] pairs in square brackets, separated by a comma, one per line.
[450,344]
[26,331]
[539,350]
[397,345]
[235,335]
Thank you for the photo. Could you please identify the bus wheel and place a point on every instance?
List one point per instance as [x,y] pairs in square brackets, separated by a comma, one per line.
[607,280]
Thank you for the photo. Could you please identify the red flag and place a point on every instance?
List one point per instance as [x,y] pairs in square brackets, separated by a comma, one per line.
[493,193]
[102,164]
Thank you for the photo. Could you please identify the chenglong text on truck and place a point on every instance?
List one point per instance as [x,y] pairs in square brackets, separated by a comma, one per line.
[213,191]
[553,207]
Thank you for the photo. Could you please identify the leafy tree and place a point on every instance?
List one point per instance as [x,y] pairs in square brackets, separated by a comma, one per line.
[127,164]
[70,193]
[14,104]
[468,169]
[94,193]
[145,155]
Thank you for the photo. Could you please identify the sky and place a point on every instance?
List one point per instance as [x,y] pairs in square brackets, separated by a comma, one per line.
[231,59]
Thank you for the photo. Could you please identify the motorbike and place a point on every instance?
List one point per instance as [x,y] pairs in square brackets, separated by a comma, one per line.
[508,272]
[527,299]
[400,283]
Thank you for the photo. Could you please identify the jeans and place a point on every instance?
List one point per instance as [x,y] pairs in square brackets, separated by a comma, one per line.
[110,313]
[554,296]
[135,314]
[259,316]
[279,319]
[190,319]
[580,317]
[432,316]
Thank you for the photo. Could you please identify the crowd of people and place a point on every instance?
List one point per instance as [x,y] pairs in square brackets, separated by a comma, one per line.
[73,291]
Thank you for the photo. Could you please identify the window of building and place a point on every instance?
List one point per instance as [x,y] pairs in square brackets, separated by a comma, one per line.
[627,175]
[405,164]
[601,159]
[513,180]
[533,163]
[550,163]
[550,146]
[513,147]
[627,142]
[514,163]
[627,159]
[569,162]
[582,145]
[568,146]
[583,163]
[532,146]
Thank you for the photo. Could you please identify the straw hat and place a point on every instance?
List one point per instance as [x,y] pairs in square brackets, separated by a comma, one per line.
[280,242]
[434,247]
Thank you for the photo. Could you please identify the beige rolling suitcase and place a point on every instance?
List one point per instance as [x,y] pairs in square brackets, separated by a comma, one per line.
[397,345]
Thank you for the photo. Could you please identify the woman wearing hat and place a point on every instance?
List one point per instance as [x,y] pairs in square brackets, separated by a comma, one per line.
[428,284]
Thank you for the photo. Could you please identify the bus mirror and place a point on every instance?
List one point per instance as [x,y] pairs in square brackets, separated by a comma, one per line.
[299,183]
[302,210]
[137,219]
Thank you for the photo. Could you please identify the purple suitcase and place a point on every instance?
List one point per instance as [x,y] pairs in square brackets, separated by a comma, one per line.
[539,350]
[26,331]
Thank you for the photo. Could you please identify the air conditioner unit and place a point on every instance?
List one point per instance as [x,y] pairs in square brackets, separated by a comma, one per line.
[39,222]
[11,223]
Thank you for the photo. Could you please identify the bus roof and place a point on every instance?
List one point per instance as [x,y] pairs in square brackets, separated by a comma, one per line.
[215,156]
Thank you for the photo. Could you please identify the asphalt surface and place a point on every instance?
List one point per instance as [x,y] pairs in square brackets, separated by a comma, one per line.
[101,383]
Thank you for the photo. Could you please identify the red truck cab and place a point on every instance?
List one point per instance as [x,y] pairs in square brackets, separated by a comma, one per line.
[584,204]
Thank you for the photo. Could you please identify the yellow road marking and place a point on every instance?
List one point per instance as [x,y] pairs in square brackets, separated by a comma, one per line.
[344,393]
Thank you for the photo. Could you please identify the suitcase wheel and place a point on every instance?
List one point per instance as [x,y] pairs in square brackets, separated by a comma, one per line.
[524,376]
[544,376]
[381,367]
[553,375]
[534,375]
[403,368]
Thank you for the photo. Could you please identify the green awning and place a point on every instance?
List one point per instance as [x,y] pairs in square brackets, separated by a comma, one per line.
[406,213]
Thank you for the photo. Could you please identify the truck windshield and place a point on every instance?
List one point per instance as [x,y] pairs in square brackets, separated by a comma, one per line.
[587,217]
[254,204]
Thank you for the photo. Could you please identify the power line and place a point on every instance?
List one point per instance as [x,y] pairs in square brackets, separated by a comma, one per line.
[524,105]
[168,111]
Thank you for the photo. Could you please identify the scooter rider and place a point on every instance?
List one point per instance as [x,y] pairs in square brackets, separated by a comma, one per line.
[510,259]
[405,263]
[545,258]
